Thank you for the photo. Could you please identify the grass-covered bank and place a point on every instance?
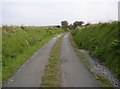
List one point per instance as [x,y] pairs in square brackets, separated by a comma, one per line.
[19,43]
[52,75]
[102,41]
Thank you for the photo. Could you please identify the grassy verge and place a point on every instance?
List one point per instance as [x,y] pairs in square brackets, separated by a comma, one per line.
[102,42]
[20,43]
[81,55]
[52,71]
[103,81]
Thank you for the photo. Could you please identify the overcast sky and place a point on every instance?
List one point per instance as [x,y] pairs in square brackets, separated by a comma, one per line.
[52,12]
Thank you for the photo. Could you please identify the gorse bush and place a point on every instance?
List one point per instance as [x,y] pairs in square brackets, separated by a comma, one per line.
[18,43]
[102,42]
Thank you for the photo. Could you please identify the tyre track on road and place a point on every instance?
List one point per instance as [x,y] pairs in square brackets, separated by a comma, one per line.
[73,71]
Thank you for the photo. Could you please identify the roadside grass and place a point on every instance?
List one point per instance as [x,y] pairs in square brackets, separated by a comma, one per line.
[52,75]
[19,43]
[81,55]
[103,81]
[101,40]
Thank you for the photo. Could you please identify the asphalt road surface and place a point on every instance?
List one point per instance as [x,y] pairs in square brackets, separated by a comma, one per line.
[74,72]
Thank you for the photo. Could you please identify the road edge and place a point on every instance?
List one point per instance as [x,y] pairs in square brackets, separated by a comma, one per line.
[103,81]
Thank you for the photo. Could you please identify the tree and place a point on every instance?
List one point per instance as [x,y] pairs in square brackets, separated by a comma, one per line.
[58,26]
[87,24]
[71,27]
[64,24]
[78,23]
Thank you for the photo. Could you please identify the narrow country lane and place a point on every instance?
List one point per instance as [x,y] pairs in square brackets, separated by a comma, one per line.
[30,74]
[74,72]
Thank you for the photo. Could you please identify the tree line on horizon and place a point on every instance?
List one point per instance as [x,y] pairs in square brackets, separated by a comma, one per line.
[76,24]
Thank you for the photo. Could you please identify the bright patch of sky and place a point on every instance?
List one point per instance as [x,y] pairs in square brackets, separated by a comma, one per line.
[52,12]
